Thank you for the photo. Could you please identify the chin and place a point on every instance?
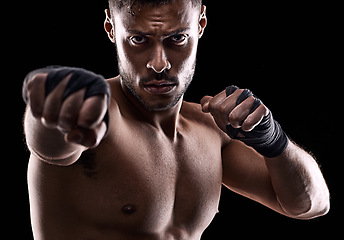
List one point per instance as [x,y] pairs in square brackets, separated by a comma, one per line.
[161,105]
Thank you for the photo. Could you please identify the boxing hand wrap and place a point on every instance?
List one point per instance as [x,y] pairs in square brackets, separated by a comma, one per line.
[267,138]
[80,78]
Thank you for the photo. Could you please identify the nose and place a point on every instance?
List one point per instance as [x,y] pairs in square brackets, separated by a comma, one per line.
[159,62]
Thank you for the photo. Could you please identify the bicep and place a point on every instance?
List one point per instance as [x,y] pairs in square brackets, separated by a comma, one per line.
[245,172]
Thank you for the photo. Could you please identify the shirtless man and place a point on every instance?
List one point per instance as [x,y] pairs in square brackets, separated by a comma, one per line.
[155,169]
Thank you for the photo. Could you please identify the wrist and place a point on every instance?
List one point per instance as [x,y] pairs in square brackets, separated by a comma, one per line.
[267,138]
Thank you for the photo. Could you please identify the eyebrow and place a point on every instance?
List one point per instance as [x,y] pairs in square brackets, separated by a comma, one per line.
[165,35]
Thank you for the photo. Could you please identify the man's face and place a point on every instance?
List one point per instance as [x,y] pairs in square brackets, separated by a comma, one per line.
[156,50]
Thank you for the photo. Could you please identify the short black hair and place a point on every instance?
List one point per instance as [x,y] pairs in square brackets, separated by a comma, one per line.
[118,4]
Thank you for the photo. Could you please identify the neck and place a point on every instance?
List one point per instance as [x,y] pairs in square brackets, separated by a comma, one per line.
[165,121]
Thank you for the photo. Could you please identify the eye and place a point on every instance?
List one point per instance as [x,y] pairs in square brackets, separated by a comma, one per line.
[179,39]
[136,40]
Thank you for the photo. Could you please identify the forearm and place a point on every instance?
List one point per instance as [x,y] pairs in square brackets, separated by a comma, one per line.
[298,188]
[49,144]
[298,183]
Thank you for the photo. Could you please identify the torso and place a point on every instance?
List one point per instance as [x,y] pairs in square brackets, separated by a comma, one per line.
[137,184]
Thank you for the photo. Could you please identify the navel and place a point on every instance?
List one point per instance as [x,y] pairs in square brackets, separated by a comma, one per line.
[129,209]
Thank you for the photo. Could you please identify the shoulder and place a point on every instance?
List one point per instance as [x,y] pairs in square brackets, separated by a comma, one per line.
[193,114]
[115,86]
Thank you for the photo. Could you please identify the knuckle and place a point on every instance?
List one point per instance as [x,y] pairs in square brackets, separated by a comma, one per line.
[36,109]
[31,85]
[51,115]
[248,125]
[67,118]
[212,106]
[266,110]
[38,78]
[222,108]
[249,122]
[233,120]
[51,118]
[92,111]
[87,121]
[49,121]
[250,99]
[238,92]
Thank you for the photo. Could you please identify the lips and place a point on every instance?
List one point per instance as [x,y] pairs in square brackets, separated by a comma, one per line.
[159,87]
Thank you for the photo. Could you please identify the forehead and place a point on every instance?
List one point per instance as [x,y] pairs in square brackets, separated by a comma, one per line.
[159,19]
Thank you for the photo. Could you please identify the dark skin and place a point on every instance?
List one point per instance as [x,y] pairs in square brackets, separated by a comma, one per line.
[158,172]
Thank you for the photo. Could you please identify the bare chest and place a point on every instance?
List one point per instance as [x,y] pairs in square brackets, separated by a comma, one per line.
[149,183]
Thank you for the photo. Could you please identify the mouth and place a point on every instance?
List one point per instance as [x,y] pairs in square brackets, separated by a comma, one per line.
[159,87]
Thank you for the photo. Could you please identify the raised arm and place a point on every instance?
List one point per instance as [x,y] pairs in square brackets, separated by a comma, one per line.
[264,164]
[66,113]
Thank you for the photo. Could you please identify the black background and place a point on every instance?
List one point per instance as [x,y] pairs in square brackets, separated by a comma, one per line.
[286,53]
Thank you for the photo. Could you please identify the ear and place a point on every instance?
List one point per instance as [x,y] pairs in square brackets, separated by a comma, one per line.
[202,21]
[109,26]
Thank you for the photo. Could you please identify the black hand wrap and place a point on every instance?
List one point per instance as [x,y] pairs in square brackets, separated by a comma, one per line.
[267,137]
[95,84]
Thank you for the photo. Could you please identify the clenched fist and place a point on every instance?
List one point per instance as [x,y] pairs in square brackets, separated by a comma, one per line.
[244,117]
[71,100]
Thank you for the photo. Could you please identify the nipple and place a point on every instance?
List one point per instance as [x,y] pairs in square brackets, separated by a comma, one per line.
[129,209]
